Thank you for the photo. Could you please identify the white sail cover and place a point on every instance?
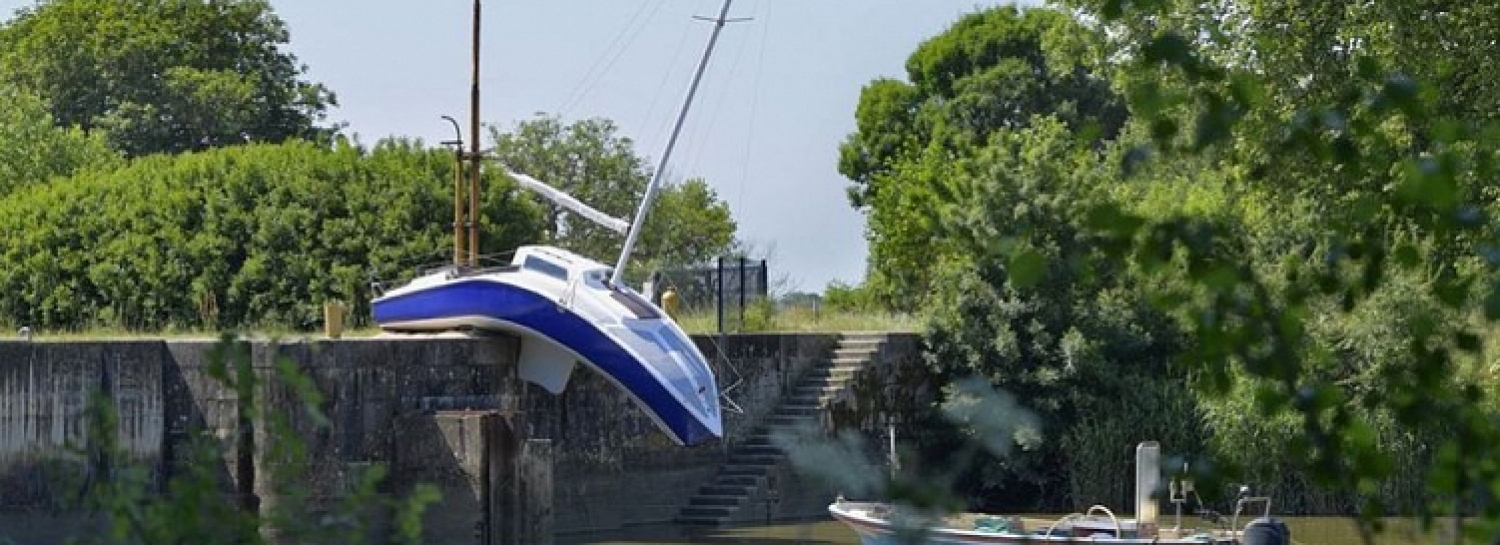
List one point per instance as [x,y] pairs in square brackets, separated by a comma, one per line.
[567,201]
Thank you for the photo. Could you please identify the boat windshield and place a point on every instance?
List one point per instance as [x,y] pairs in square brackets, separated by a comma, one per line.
[597,278]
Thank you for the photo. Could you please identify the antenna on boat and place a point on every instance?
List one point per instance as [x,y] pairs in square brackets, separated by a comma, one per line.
[474,155]
[618,278]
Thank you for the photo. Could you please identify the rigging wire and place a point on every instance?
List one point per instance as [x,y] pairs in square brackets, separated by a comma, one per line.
[687,31]
[760,64]
[698,143]
[617,48]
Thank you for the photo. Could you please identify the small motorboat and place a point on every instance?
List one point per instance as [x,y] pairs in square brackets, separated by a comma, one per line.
[886,524]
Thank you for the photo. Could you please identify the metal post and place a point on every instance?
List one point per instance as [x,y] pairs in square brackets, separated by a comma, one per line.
[741,278]
[895,462]
[458,191]
[719,292]
[474,155]
[765,281]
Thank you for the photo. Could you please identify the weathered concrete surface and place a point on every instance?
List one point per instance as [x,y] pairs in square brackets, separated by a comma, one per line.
[888,391]
[608,465]
[892,386]
[614,469]
[166,394]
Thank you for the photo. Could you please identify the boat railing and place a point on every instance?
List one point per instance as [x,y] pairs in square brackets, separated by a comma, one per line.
[1247,499]
[1119,529]
[488,263]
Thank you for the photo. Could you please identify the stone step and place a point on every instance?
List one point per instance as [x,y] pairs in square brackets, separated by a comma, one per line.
[737,474]
[864,337]
[725,490]
[818,391]
[821,398]
[854,363]
[716,501]
[782,420]
[757,440]
[755,459]
[697,521]
[824,382]
[806,399]
[766,449]
[832,372]
[857,352]
[800,409]
[717,512]
[737,480]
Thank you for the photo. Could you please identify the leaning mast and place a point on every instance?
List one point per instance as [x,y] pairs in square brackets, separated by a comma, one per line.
[618,277]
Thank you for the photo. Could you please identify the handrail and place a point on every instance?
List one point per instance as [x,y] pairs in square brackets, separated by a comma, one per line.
[1119,532]
[1065,518]
[1119,529]
[1239,506]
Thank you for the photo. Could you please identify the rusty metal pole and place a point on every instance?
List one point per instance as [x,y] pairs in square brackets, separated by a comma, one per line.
[458,191]
[474,149]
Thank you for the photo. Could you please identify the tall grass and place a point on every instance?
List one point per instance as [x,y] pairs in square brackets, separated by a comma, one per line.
[764,318]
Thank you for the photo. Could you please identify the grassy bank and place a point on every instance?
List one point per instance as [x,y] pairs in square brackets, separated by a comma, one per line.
[763,319]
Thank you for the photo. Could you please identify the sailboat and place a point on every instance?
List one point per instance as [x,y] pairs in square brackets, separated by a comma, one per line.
[568,309]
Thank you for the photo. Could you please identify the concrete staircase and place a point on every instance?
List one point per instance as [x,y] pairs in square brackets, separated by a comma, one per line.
[745,472]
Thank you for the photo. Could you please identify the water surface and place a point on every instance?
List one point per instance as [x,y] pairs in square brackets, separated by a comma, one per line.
[1305,531]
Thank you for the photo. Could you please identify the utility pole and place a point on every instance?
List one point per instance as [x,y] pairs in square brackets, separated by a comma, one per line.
[618,278]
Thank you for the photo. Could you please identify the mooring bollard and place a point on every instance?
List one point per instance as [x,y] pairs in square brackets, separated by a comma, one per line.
[333,318]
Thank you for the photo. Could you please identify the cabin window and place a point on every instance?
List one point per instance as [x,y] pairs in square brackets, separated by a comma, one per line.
[546,267]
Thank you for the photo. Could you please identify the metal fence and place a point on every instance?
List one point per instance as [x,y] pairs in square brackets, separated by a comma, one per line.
[725,287]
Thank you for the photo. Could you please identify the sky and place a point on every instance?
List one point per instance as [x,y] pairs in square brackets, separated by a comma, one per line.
[778,97]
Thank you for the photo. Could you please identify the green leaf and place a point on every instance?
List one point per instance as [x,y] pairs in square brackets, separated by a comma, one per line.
[1026,268]
[1492,303]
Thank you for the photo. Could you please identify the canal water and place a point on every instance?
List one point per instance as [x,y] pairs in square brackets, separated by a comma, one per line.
[1305,531]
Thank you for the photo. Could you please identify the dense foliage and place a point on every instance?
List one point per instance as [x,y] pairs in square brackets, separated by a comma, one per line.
[35,149]
[1282,261]
[251,235]
[992,72]
[164,75]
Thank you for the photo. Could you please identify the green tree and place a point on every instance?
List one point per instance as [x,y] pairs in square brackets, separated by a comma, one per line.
[687,224]
[590,161]
[1358,116]
[33,149]
[165,75]
[991,71]
[1296,222]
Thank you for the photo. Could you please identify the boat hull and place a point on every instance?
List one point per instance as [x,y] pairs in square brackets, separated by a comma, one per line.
[645,371]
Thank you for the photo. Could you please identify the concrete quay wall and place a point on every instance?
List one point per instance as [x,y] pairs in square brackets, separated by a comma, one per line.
[513,462]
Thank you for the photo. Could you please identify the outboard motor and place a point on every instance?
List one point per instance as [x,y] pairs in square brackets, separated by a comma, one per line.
[1266,531]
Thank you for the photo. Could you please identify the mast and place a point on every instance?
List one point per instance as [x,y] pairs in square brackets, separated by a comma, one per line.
[474,155]
[618,277]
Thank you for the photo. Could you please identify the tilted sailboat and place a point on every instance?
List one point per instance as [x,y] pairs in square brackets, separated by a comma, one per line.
[566,308]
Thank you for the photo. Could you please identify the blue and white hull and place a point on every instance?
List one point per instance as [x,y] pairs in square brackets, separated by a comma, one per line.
[565,311]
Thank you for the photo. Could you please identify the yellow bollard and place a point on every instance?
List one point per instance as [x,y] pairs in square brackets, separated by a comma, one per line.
[333,318]
[669,302]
